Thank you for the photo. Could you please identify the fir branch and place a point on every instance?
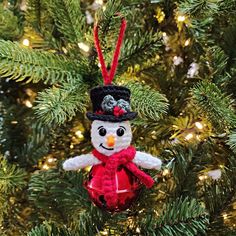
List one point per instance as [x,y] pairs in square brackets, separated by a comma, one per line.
[38,142]
[23,64]
[9,26]
[68,18]
[232,141]
[51,229]
[57,193]
[199,7]
[12,178]
[91,221]
[216,105]
[218,62]
[58,104]
[139,48]
[183,215]
[147,102]
[219,193]
[33,14]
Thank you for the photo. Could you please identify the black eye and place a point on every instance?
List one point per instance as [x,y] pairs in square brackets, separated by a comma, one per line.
[102,132]
[120,132]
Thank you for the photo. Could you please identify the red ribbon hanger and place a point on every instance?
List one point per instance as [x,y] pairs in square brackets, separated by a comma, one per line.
[109,75]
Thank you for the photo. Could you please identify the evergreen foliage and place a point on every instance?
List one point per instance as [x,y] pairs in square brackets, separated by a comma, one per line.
[178,60]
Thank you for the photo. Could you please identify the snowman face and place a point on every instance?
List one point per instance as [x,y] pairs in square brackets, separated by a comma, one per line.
[110,137]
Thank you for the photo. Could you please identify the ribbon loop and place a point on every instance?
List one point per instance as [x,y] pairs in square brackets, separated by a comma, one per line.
[109,75]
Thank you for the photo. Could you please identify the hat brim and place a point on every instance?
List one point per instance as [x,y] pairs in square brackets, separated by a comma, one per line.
[111,118]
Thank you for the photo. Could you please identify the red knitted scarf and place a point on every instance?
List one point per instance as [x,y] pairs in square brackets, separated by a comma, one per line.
[124,158]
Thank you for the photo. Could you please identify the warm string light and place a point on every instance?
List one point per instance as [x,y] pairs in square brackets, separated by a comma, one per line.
[181,18]
[79,134]
[187,42]
[28,104]
[199,125]
[202,177]
[45,167]
[26,42]
[48,162]
[100,2]
[225,216]
[165,172]
[84,47]
[189,136]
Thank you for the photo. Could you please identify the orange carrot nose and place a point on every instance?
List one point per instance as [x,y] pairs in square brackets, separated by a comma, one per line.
[110,141]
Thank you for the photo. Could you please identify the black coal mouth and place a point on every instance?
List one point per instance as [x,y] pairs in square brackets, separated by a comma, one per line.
[109,149]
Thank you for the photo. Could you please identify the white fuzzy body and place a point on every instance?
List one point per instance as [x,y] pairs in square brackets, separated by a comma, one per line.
[106,147]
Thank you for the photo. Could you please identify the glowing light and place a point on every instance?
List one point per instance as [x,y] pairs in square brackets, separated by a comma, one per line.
[28,104]
[189,136]
[181,18]
[50,160]
[137,230]
[225,216]
[164,34]
[45,167]
[99,65]
[84,47]
[199,125]
[71,146]
[202,177]
[186,42]
[79,134]
[100,2]
[14,122]
[26,42]
[165,172]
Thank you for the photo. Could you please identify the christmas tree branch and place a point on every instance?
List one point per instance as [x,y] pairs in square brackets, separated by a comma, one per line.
[33,14]
[49,229]
[58,194]
[58,104]
[68,18]
[22,64]
[147,102]
[232,141]
[139,49]
[220,192]
[215,104]
[38,142]
[199,7]
[182,215]
[12,180]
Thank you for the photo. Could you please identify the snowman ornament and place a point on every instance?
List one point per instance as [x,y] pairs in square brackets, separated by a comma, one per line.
[115,179]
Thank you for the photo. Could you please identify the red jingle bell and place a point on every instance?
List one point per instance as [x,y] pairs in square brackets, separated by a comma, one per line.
[127,188]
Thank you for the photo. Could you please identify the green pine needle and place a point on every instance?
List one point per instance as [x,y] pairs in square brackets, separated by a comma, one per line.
[12,178]
[183,215]
[198,7]
[47,229]
[58,104]
[149,104]
[215,104]
[141,47]
[23,64]
[68,18]
[232,141]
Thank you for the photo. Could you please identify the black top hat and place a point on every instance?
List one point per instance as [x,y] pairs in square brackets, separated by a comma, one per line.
[111,103]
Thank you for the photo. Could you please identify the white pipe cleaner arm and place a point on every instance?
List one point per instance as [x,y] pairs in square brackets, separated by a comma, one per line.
[80,162]
[147,161]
